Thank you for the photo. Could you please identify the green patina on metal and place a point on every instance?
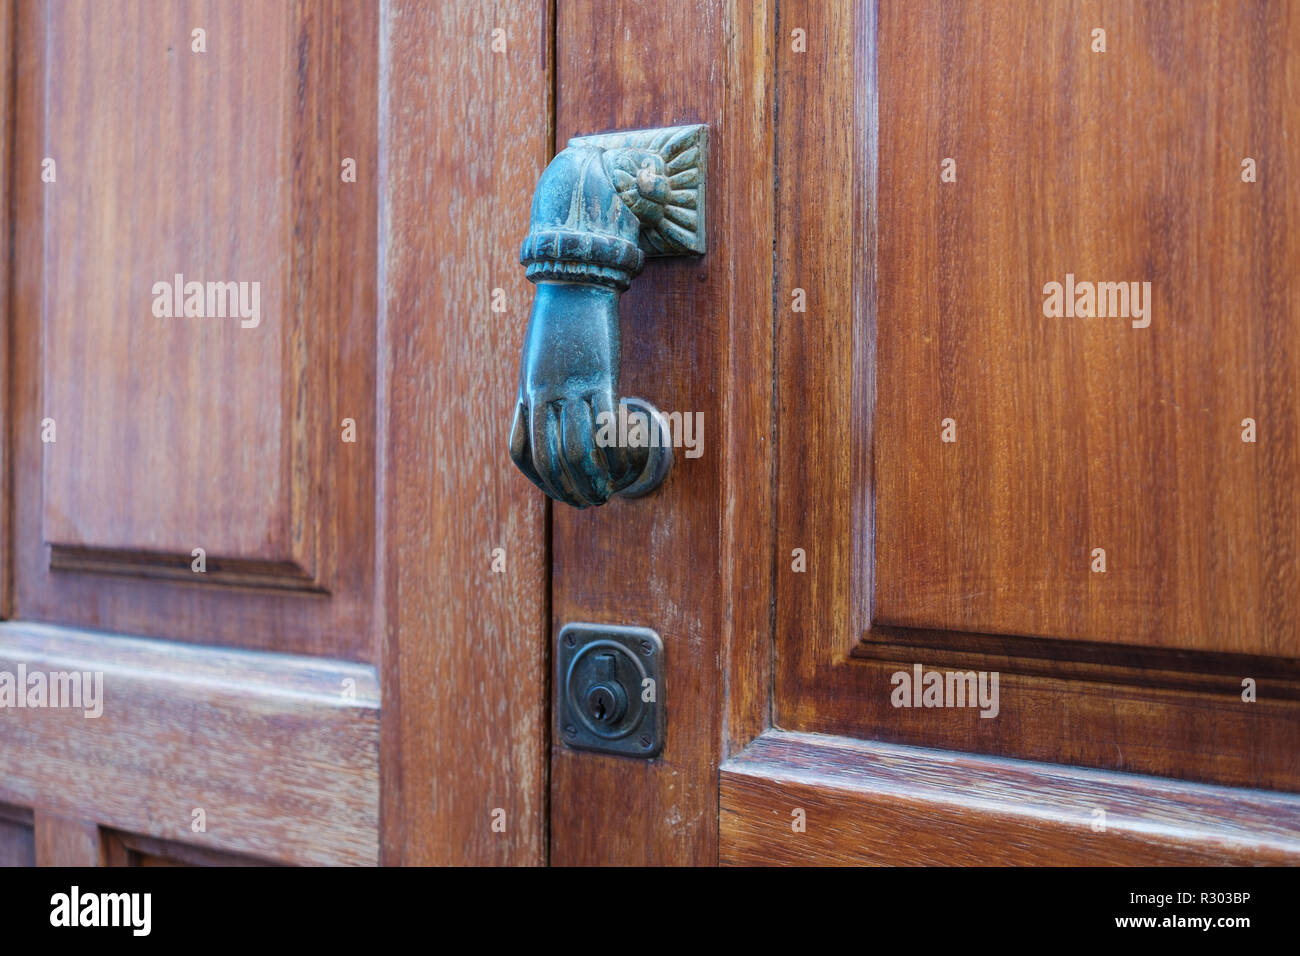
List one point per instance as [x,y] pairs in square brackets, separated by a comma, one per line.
[603,205]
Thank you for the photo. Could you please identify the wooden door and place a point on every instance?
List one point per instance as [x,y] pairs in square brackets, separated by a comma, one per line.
[244,453]
[923,470]
[323,650]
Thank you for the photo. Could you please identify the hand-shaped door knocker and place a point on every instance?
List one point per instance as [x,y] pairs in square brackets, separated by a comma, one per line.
[601,206]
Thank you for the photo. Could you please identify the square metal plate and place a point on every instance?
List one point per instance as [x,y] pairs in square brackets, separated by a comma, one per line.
[609,679]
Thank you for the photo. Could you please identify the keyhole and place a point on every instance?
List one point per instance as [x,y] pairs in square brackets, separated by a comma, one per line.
[603,704]
[600,703]
[605,701]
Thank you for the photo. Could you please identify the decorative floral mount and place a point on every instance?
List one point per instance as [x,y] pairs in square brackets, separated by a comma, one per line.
[659,175]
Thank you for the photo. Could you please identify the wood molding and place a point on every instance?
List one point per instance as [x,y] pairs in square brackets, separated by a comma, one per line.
[1155,667]
[281,752]
[232,572]
[872,803]
[131,849]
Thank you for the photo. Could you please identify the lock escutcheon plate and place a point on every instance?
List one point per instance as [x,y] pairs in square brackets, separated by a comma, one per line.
[610,689]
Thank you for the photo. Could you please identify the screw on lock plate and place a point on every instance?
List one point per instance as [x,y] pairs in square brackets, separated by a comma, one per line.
[611,695]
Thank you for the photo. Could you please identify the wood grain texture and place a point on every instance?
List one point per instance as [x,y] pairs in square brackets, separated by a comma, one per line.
[465,133]
[692,561]
[1193,734]
[177,433]
[281,752]
[1080,433]
[133,390]
[1045,177]
[64,841]
[824,261]
[872,803]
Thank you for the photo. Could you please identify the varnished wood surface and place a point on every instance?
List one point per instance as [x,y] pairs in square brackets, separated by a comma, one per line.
[691,561]
[183,433]
[825,254]
[280,752]
[1083,433]
[464,649]
[464,135]
[1119,162]
[128,386]
[872,803]
[64,841]
[955,555]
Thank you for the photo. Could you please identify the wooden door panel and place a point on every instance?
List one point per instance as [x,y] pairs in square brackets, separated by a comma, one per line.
[827,539]
[174,432]
[1083,433]
[171,168]
[1072,434]
[137,437]
[899,299]
[332,459]
[691,561]
[252,690]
